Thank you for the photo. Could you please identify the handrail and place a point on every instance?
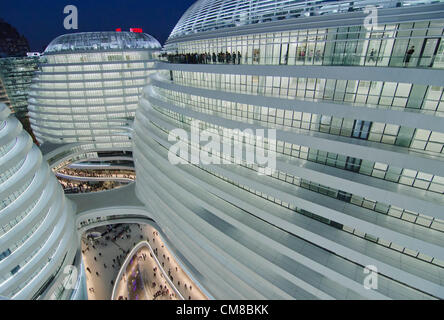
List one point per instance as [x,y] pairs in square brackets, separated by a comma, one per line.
[341,59]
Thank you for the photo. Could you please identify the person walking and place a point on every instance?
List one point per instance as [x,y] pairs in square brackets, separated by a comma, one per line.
[408,55]
[318,55]
[208,58]
[372,56]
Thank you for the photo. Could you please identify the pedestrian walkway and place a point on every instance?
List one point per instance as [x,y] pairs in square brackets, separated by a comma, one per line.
[142,280]
[181,280]
[104,255]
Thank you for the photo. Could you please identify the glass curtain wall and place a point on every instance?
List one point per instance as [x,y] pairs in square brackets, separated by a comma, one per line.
[417,44]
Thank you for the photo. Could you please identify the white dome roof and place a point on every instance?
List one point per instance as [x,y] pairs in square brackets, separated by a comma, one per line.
[206,15]
[101,41]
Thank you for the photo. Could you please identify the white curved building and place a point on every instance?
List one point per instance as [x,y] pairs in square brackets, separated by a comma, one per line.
[37,237]
[359,181]
[88,89]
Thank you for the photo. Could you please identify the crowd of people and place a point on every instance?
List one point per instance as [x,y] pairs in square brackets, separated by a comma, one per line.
[174,272]
[234,58]
[142,279]
[163,273]
[125,174]
[105,249]
[75,187]
[71,186]
[301,55]
[94,246]
[205,58]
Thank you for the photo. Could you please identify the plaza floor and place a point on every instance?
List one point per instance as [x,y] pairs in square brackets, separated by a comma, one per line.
[104,257]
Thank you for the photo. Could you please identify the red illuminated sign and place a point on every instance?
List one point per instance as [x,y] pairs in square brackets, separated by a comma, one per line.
[119,30]
[136,30]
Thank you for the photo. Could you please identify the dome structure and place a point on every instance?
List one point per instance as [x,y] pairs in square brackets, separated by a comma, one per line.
[101,41]
[88,88]
[207,15]
[357,190]
[37,234]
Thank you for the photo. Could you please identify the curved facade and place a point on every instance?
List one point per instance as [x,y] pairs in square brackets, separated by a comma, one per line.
[88,89]
[359,180]
[102,41]
[37,235]
[209,15]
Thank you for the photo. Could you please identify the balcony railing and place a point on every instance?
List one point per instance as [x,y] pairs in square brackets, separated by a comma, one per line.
[342,59]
